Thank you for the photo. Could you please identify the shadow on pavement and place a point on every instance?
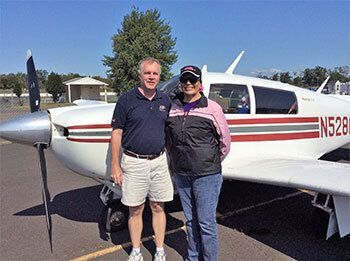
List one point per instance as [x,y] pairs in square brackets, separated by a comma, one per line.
[287,225]
[84,205]
[174,240]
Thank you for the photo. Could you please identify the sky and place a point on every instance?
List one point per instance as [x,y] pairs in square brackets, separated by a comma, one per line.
[74,36]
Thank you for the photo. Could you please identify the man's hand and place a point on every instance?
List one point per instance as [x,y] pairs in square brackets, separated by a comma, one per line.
[117,175]
[116,171]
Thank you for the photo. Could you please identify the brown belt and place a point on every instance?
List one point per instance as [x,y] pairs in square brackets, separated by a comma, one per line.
[149,157]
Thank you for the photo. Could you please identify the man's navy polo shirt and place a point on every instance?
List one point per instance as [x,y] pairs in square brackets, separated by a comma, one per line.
[142,121]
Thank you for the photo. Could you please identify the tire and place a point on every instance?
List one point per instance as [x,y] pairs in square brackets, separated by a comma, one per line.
[116,216]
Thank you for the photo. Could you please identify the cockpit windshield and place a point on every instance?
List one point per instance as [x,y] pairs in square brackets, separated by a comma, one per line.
[170,87]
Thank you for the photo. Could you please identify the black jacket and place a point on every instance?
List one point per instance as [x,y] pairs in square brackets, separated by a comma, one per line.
[196,138]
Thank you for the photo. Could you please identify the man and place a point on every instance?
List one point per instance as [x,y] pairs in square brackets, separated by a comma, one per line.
[199,142]
[139,127]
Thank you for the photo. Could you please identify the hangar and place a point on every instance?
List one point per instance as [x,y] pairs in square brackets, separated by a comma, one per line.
[86,88]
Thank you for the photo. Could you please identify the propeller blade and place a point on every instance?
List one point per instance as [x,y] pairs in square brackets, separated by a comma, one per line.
[33,86]
[45,191]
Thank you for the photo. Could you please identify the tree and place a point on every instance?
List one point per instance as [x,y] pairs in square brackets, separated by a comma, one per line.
[262,76]
[275,77]
[17,88]
[337,76]
[321,75]
[309,76]
[285,77]
[143,34]
[16,84]
[54,85]
[105,80]
[344,70]
[341,74]
[298,81]
[42,78]
[5,81]
[69,76]
[315,76]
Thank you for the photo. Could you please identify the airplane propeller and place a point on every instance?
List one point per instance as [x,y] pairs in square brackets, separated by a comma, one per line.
[33,86]
[34,99]
[45,190]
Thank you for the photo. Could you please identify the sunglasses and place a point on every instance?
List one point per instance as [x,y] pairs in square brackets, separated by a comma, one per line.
[190,79]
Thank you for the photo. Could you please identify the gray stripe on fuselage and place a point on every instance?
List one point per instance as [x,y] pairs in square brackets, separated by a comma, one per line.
[92,133]
[274,128]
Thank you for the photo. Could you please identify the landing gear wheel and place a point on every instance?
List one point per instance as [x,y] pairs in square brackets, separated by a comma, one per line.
[116,216]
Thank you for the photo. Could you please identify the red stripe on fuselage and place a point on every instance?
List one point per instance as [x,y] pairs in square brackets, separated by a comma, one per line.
[272,120]
[277,136]
[230,122]
[237,138]
[90,140]
[94,126]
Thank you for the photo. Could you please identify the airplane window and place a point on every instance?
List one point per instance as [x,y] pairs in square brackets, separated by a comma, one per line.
[170,87]
[233,98]
[273,101]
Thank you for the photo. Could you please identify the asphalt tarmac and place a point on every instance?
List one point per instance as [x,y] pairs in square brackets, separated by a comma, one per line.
[256,222]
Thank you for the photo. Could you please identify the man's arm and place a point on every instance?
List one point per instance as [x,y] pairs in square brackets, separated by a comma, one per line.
[116,171]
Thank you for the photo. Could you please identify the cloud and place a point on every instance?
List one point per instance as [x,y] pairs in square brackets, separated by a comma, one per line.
[267,72]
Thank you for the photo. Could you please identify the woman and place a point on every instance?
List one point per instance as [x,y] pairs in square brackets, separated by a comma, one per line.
[199,141]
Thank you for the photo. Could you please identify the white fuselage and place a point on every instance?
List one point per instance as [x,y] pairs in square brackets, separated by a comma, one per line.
[320,125]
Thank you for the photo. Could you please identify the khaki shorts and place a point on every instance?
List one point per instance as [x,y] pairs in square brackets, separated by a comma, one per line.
[145,178]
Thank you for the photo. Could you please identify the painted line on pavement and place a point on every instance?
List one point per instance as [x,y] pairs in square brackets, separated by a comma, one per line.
[120,247]
[241,210]
[5,142]
[117,248]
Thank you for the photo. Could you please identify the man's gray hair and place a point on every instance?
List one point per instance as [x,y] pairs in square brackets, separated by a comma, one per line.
[149,60]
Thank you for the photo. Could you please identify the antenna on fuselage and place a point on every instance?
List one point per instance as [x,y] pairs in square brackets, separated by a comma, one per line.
[319,90]
[205,68]
[233,66]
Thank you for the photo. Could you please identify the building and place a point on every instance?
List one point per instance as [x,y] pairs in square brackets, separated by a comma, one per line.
[337,87]
[86,88]
[345,88]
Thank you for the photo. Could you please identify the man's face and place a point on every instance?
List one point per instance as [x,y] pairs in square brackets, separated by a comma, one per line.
[150,75]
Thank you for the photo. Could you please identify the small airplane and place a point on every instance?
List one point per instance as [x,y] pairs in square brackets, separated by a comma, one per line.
[278,133]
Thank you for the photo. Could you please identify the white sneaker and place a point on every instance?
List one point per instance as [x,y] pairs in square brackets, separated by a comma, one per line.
[160,256]
[135,256]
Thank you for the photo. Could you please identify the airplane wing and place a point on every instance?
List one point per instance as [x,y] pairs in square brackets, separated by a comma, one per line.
[316,175]
[82,102]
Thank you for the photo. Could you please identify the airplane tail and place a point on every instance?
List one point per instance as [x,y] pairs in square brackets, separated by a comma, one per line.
[319,90]
[234,64]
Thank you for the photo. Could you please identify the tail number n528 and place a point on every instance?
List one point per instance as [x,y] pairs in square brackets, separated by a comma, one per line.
[334,126]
